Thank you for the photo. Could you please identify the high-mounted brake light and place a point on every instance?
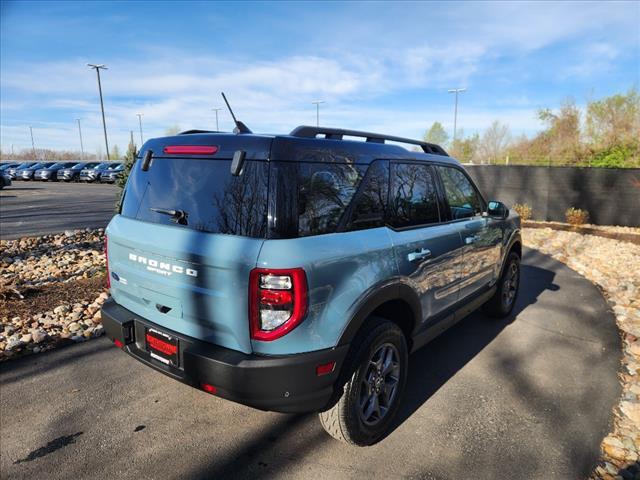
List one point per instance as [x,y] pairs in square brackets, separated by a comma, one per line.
[277,301]
[106,259]
[190,149]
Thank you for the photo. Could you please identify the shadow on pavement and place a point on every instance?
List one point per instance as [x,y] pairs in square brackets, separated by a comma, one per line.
[456,347]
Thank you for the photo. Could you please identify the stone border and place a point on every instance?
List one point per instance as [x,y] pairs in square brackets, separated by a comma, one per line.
[585,230]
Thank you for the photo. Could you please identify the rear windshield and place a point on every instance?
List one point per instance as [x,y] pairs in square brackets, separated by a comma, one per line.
[204,190]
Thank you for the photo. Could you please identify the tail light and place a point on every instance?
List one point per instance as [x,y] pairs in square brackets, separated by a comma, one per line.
[106,259]
[277,301]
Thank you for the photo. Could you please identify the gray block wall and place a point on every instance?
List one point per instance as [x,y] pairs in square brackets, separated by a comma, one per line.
[610,195]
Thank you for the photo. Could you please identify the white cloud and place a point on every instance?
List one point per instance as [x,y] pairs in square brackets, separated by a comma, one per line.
[429,47]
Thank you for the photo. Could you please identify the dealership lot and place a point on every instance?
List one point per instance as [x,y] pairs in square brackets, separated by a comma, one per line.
[39,208]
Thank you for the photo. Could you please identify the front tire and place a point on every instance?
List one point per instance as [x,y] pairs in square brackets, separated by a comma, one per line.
[376,376]
[503,301]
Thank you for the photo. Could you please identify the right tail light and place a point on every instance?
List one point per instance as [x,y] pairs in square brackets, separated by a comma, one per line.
[277,301]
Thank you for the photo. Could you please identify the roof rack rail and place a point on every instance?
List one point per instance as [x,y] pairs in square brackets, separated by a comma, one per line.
[305,131]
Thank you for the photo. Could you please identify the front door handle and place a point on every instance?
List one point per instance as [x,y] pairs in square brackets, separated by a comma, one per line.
[419,254]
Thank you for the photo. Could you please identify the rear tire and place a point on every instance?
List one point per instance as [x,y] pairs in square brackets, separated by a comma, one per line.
[376,374]
[501,303]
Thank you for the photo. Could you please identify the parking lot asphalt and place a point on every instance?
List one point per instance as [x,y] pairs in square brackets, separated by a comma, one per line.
[37,208]
[526,397]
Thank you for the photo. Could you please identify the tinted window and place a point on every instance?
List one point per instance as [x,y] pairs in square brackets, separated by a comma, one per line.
[369,208]
[412,199]
[464,200]
[324,193]
[214,200]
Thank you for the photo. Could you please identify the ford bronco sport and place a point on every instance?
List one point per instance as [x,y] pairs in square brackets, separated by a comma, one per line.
[296,273]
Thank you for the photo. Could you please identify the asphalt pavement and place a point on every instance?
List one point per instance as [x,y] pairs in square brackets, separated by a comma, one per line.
[38,208]
[526,397]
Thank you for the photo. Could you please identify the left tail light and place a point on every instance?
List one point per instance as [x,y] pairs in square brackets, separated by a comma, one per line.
[277,301]
[106,259]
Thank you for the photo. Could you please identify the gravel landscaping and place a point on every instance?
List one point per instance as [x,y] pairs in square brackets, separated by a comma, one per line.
[52,288]
[615,267]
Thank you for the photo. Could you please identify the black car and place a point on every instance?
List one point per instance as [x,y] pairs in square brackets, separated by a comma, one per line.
[27,173]
[5,181]
[93,174]
[112,174]
[73,173]
[51,173]
[11,171]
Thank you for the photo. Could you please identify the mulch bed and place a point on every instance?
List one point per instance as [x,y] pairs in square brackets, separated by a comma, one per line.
[47,297]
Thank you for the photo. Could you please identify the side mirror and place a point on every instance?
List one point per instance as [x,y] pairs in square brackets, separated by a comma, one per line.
[497,209]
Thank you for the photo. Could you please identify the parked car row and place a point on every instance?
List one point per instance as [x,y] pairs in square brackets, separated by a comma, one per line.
[104,172]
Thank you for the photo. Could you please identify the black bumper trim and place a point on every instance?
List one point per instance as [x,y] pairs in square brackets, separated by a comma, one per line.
[283,383]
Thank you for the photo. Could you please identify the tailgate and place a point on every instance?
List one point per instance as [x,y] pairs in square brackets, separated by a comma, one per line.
[188,281]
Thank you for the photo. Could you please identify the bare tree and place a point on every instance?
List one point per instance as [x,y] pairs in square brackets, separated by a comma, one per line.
[494,142]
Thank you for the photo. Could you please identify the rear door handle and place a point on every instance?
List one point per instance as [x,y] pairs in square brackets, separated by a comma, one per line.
[419,254]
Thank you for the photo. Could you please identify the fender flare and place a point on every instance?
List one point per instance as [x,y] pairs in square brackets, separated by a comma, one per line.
[513,239]
[378,296]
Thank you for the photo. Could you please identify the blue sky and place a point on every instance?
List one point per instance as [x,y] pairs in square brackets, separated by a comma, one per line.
[379,66]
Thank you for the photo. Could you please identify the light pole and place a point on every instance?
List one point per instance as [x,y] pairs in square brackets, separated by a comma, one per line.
[217,110]
[33,144]
[97,68]
[455,112]
[140,123]
[80,133]
[317,104]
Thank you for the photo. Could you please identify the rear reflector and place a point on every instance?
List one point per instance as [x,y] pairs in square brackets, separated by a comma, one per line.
[325,368]
[208,388]
[190,149]
[118,343]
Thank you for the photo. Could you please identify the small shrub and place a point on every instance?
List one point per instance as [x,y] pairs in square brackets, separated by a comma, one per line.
[523,210]
[576,216]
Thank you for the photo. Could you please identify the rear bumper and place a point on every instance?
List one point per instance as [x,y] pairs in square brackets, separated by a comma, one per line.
[285,383]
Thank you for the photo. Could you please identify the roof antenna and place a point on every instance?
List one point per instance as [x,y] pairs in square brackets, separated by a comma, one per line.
[240,127]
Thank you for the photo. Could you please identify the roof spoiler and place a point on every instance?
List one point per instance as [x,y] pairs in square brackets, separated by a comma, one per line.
[305,131]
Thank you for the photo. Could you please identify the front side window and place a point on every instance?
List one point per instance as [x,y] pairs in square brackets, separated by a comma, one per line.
[413,199]
[464,200]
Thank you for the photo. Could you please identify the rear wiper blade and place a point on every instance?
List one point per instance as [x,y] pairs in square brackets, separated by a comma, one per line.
[178,216]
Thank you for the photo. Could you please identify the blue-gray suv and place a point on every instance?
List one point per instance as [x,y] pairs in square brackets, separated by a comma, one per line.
[296,273]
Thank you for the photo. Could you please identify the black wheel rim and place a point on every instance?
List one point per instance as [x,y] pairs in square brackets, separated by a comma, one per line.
[510,285]
[379,386]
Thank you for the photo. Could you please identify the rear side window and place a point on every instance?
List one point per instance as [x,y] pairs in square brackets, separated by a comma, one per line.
[369,208]
[324,193]
[413,199]
[213,200]
[464,200]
